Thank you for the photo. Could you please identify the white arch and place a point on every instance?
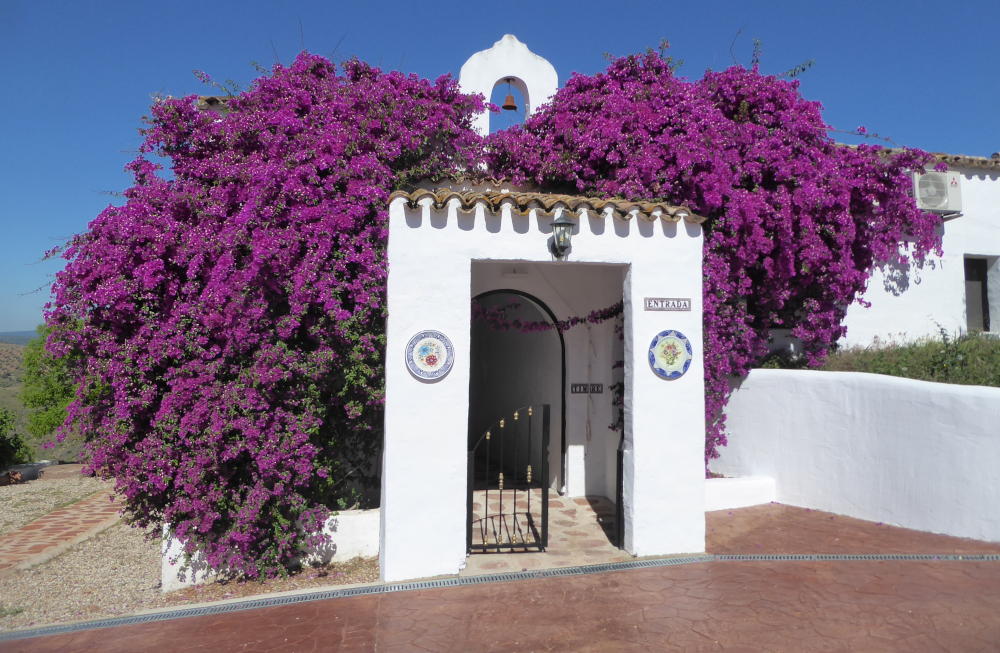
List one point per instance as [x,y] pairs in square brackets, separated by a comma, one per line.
[530,74]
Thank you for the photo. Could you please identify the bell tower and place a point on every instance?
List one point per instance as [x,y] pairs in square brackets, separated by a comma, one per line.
[508,62]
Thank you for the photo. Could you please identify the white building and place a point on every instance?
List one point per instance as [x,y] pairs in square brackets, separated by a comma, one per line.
[958,292]
[473,404]
[445,424]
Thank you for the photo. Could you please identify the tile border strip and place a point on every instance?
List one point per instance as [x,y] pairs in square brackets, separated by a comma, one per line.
[305,597]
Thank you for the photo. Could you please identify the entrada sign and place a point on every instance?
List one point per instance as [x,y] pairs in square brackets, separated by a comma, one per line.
[667,303]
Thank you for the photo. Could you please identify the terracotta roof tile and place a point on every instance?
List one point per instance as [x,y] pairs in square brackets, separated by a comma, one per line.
[547,203]
[963,161]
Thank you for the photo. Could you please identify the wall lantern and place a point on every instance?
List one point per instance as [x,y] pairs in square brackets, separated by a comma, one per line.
[562,231]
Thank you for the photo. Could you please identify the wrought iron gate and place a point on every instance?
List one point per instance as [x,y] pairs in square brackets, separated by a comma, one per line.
[508,496]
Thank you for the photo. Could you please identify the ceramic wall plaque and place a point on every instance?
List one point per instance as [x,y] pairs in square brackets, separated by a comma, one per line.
[429,355]
[670,354]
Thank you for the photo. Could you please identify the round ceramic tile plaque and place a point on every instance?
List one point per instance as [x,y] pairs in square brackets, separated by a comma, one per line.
[670,354]
[429,355]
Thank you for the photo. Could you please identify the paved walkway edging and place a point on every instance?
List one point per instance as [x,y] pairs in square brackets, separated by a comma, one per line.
[239,605]
[55,532]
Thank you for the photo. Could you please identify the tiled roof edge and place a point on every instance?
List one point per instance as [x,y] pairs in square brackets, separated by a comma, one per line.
[964,161]
[548,203]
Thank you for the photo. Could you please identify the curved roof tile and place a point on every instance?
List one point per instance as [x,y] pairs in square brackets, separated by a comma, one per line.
[547,203]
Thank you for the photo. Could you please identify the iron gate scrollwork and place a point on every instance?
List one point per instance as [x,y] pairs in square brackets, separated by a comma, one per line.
[508,495]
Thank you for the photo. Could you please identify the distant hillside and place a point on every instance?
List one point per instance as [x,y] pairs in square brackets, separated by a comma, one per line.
[11,370]
[11,357]
[16,337]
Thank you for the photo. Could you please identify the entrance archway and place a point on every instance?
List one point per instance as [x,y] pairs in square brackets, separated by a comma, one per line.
[517,373]
[510,368]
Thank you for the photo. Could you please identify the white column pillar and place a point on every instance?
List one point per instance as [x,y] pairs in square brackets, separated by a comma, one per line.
[663,471]
[424,462]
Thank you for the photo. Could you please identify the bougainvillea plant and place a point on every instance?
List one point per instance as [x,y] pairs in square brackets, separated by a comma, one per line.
[795,222]
[496,318]
[231,318]
[228,318]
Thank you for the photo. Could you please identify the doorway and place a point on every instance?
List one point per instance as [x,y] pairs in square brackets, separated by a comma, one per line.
[516,381]
[553,337]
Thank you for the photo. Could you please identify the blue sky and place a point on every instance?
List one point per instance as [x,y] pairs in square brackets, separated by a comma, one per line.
[80,75]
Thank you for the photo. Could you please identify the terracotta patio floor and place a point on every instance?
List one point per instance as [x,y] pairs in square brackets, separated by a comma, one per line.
[745,605]
[581,532]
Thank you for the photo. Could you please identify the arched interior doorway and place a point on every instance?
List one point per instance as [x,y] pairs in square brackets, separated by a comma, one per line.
[512,367]
[517,375]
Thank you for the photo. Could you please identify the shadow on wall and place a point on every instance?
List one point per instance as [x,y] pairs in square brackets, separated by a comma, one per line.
[347,534]
[897,276]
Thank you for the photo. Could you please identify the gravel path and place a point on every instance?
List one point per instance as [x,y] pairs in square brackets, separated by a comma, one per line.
[116,572]
[21,504]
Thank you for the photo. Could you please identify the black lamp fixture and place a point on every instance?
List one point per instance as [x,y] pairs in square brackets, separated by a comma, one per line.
[562,231]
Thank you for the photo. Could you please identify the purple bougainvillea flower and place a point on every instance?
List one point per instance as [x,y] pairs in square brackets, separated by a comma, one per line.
[229,316]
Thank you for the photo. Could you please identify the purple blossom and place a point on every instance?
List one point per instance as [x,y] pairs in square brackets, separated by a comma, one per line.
[229,321]
[795,222]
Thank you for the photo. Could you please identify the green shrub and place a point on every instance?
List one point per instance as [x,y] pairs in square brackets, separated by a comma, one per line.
[12,447]
[967,360]
[48,386]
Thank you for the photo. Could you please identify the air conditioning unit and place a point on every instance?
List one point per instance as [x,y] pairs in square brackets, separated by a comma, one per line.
[938,192]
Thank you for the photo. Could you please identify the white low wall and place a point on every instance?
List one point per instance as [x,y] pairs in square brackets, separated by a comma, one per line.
[910,453]
[350,533]
[729,493]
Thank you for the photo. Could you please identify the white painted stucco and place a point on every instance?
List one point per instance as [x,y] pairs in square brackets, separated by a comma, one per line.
[432,254]
[729,493]
[910,453]
[534,77]
[349,534]
[933,298]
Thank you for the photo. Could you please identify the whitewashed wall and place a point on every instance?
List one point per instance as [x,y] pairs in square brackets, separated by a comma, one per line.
[349,534]
[911,453]
[534,77]
[935,296]
[431,254]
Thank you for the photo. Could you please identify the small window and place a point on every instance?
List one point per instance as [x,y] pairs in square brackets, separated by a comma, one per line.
[977,305]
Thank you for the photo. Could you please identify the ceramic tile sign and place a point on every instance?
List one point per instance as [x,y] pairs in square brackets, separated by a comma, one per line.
[586,388]
[666,303]
[670,355]
[429,355]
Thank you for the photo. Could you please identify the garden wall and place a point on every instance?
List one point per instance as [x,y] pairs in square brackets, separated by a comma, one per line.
[910,453]
[350,533]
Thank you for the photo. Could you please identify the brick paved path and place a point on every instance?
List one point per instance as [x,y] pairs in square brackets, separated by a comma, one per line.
[718,606]
[50,535]
[749,606]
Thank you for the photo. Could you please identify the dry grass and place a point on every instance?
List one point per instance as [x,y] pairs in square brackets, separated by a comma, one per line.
[11,358]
